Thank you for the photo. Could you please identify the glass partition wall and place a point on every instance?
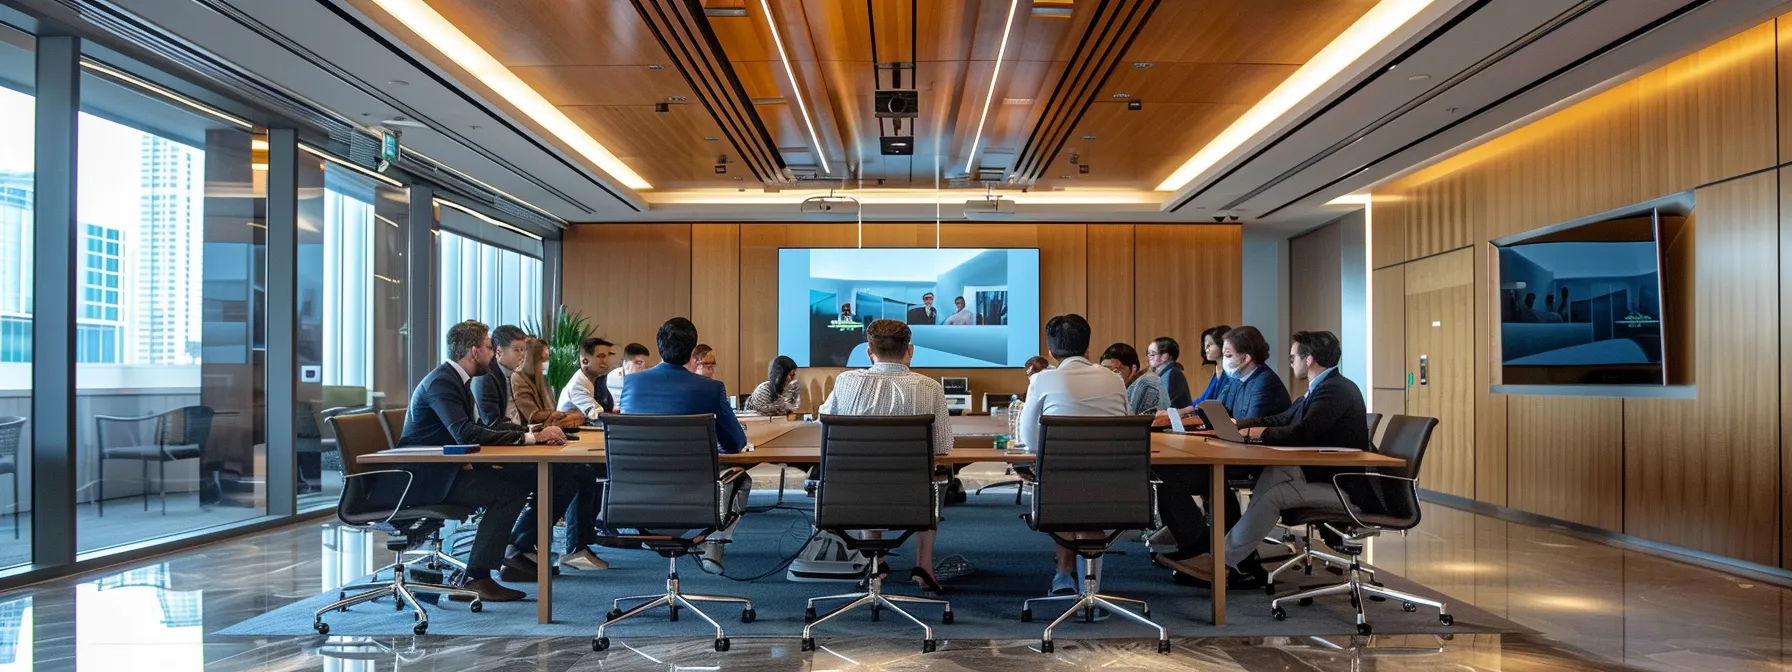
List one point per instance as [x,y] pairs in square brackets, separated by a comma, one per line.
[17,275]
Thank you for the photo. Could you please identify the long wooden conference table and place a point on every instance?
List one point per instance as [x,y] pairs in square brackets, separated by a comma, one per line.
[777,441]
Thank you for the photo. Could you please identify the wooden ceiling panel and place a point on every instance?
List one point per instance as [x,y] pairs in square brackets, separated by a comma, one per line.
[1169,82]
[565,85]
[1287,32]
[667,148]
[1134,147]
[555,32]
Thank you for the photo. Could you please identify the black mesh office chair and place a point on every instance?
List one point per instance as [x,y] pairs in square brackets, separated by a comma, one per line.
[392,501]
[1301,545]
[1374,420]
[1384,499]
[876,474]
[1094,484]
[663,475]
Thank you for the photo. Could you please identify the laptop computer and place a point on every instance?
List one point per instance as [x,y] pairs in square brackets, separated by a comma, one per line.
[1220,420]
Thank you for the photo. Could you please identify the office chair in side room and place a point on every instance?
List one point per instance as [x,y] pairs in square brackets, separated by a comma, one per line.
[1094,484]
[876,474]
[1385,499]
[395,502]
[177,434]
[11,428]
[663,475]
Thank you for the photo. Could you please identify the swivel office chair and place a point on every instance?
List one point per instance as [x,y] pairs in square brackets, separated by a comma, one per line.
[1094,484]
[876,474]
[395,502]
[1385,499]
[663,475]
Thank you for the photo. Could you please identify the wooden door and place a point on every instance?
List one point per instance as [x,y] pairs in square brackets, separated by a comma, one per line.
[1440,354]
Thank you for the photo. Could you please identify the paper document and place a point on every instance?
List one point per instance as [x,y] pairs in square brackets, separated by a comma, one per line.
[1313,449]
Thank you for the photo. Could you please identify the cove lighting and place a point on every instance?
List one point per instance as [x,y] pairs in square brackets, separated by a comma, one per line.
[481,216]
[995,75]
[1374,26]
[821,153]
[439,33]
[895,196]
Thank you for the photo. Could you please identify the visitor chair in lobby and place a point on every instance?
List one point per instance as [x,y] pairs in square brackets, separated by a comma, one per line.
[409,510]
[876,474]
[1388,499]
[1094,484]
[664,482]
[178,434]
[12,427]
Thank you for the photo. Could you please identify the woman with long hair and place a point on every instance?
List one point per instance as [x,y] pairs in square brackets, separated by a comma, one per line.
[530,394]
[779,394]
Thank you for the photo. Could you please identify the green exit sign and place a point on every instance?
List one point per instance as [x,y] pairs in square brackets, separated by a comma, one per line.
[389,147]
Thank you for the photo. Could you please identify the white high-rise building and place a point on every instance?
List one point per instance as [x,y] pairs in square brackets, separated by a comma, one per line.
[166,283]
[16,263]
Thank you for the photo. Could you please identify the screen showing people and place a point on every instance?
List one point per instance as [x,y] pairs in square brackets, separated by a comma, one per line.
[959,304]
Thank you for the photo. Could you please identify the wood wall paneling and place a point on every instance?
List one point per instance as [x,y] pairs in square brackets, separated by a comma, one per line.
[1567,458]
[1490,409]
[1785,406]
[1439,325]
[1387,235]
[629,278]
[1110,284]
[1186,279]
[1703,473]
[1783,57]
[1711,115]
[1388,341]
[715,306]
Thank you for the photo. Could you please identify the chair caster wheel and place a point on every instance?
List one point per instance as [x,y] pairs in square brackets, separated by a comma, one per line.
[747,615]
[1163,646]
[928,646]
[674,614]
[1279,613]
[1356,604]
[808,643]
[1305,602]
[1145,611]
[600,643]
[946,618]
[1408,607]
[420,629]
[397,604]
[1446,619]
[321,627]
[1026,615]
[1377,598]
[476,606]
[612,614]
[1269,589]
[1364,629]
[722,644]
[877,614]
[341,596]
[808,617]
[1045,646]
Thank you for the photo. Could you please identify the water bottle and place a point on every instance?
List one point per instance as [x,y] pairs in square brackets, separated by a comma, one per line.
[1015,405]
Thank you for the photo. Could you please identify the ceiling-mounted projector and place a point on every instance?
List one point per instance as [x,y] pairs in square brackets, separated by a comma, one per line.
[830,204]
[988,206]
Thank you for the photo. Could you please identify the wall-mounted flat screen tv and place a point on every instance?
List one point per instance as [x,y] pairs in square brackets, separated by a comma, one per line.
[966,308]
[1583,305]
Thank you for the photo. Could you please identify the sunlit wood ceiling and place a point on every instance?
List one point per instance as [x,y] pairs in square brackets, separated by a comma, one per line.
[1209,60]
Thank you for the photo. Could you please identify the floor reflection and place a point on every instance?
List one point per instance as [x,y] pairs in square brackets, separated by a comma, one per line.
[1594,606]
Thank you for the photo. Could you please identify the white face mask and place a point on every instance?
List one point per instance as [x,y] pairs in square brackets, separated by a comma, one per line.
[1230,365]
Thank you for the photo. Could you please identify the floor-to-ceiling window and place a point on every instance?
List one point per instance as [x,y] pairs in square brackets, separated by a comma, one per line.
[487,283]
[170,339]
[17,111]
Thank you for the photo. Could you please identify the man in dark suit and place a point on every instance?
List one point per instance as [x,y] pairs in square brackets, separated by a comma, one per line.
[1162,354]
[924,313]
[442,412]
[671,389]
[492,389]
[1331,414]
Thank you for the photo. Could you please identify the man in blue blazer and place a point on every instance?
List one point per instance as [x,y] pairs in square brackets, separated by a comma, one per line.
[1254,390]
[671,389]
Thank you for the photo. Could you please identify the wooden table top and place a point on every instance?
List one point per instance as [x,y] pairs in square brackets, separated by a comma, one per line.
[787,441]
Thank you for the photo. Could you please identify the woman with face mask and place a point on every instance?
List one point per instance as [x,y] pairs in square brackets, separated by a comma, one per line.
[1253,390]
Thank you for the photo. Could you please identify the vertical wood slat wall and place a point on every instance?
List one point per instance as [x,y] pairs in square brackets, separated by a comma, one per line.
[1705,473]
[1133,282]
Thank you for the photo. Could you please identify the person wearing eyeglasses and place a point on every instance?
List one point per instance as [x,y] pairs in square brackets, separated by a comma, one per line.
[703,361]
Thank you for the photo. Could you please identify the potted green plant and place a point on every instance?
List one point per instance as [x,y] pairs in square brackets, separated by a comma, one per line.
[564,335]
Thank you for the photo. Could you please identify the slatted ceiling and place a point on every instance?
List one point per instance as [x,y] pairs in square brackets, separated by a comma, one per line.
[603,85]
[666,145]
[1132,147]
[1223,83]
[1228,31]
[559,32]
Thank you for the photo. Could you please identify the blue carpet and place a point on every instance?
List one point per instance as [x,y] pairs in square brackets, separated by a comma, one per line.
[1012,563]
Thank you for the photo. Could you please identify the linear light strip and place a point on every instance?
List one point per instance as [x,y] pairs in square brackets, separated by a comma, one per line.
[994,76]
[332,159]
[164,92]
[445,37]
[482,216]
[1374,26]
[802,105]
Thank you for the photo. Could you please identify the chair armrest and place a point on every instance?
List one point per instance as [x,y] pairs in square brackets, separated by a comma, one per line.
[1370,477]
[409,478]
[725,479]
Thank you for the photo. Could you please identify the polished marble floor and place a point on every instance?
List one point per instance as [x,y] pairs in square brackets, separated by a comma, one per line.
[1595,607]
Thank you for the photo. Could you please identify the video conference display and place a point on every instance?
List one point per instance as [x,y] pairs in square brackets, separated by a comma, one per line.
[1588,297]
[966,308]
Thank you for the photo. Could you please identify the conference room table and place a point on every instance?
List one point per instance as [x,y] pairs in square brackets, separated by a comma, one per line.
[779,441]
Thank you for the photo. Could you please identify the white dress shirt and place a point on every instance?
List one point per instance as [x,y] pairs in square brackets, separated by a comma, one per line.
[614,382]
[465,380]
[580,395]
[1076,387]
[962,317]
[891,389]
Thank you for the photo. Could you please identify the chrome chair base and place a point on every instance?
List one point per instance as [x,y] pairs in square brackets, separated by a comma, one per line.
[1360,587]
[402,590]
[874,595]
[1087,601]
[674,600]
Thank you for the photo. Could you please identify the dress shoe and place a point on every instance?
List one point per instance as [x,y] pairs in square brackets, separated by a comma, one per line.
[516,569]
[1198,571]
[491,591]
[583,559]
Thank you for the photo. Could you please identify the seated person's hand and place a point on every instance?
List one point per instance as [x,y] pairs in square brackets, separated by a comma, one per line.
[567,420]
[550,435]
[1252,433]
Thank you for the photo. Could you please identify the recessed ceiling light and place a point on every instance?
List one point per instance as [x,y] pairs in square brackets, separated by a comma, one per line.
[1122,95]
[725,12]
[1354,43]
[768,101]
[1088,137]
[397,82]
[994,76]
[1017,101]
[656,66]
[440,33]
[1063,177]
[737,178]
[710,138]
[1418,78]
[677,99]
[1141,64]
